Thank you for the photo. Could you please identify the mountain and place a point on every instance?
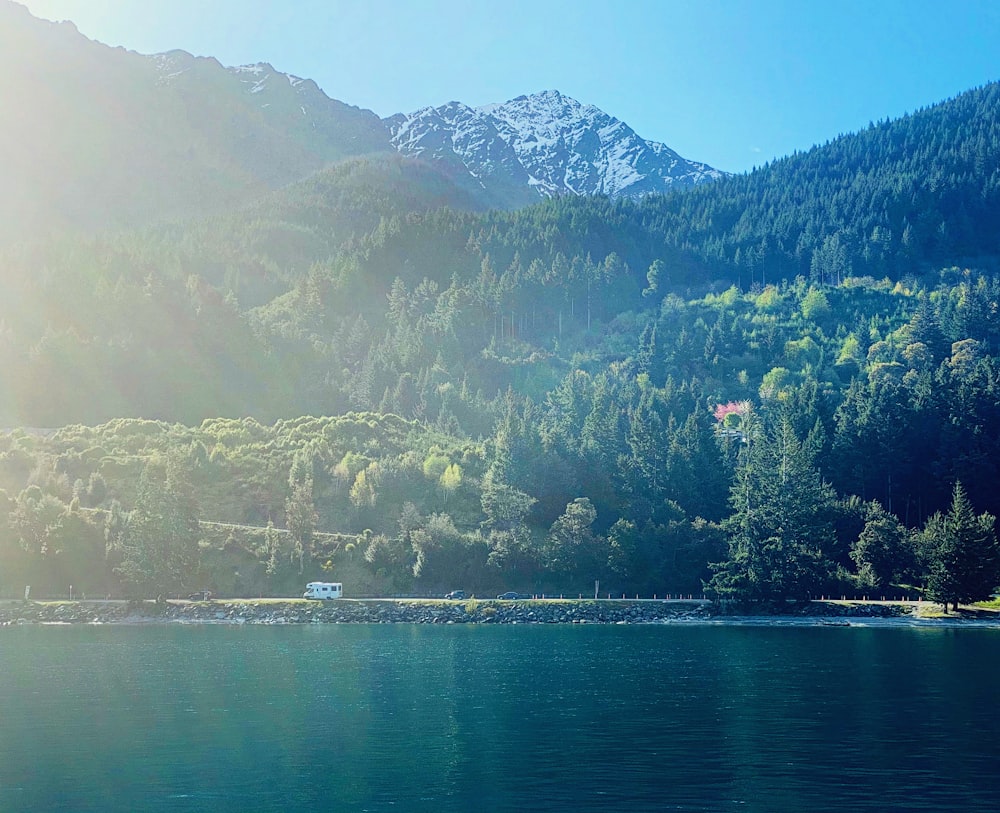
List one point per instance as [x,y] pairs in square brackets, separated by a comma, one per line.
[469,148]
[544,393]
[99,138]
[544,144]
[896,198]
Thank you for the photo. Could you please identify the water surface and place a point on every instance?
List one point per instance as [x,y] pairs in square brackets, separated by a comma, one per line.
[512,718]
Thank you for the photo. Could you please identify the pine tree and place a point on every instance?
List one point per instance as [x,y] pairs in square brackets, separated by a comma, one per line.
[160,539]
[781,524]
[272,547]
[648,454]
[300,510]
[882,551]
[961,553]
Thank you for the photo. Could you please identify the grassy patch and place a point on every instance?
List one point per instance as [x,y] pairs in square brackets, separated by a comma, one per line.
[986,610]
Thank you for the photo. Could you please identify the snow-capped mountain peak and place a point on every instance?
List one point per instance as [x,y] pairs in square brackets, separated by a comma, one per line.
[551,142]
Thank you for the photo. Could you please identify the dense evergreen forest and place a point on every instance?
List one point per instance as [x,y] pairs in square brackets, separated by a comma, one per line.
[780,385]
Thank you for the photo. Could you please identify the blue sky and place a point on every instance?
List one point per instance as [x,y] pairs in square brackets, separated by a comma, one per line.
[729,82]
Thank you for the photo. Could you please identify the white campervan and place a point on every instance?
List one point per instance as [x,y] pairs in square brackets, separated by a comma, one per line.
[323,590]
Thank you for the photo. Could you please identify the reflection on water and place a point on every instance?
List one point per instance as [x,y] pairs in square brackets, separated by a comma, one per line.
[554,718]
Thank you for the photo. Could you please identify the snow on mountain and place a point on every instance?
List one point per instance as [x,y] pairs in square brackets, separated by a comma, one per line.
[263,77]
[505,154]
[470,149]
[260,80]
[456,130]
[547,142]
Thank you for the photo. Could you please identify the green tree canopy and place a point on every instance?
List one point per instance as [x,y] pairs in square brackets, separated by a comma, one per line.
[781,524]
[961,553]
[160,539]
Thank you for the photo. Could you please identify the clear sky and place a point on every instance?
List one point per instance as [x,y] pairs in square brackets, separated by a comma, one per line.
[733,83]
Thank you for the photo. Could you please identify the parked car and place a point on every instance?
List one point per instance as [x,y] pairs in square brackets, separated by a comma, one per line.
[456,594]
[510,595]
[201,595]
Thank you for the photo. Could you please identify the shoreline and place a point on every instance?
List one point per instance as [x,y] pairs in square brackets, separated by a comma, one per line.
[482,611]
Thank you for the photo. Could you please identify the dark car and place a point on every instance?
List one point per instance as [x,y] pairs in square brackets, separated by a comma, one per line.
[510,595]
[454,594]
[201,595]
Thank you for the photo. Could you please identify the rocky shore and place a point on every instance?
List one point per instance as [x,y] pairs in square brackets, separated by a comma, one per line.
[402,611]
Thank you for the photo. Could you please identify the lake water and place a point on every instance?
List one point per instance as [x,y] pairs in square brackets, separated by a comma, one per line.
[507,718]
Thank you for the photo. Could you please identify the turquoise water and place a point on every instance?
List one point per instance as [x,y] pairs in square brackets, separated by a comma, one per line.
[511,718]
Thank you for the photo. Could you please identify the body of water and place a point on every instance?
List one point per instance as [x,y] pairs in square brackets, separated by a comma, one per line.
[506,718]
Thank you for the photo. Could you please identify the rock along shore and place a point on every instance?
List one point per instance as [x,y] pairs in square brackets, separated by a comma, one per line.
[402,611]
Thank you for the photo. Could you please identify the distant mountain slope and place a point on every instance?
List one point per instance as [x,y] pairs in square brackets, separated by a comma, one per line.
[97,137]
[544,144]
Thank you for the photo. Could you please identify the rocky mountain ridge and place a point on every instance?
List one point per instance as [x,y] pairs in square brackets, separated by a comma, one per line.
[102,138]
[547,142]
[106,139]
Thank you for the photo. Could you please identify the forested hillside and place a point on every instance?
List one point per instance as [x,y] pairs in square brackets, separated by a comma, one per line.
[901,195]
[791,374]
